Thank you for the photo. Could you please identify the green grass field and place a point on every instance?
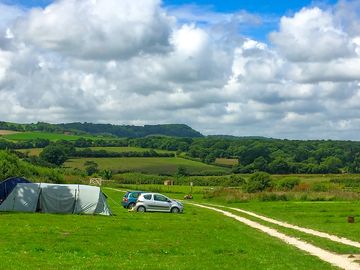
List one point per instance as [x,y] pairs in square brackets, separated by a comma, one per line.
[227,161]
[197,239]
[127,149]
[329,217]
[148,165]
[32,151]
[24,136]
[37,151]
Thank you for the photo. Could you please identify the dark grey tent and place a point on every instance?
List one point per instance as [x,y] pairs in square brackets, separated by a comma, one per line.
[7,186]
[54,198]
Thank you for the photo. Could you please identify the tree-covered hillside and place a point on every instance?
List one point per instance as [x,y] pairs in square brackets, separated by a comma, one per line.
[173,130]
[270,155]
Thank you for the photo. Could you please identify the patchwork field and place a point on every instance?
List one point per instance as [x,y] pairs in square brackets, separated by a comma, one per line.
[226,161]
[7,132]
[23,136]
[148,165]
[128,149]
[197,239]
[37,151]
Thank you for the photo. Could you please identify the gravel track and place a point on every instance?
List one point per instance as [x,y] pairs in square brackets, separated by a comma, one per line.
[332,258]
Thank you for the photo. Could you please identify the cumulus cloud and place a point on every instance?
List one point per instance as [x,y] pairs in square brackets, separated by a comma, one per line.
[97,29]
[138,62]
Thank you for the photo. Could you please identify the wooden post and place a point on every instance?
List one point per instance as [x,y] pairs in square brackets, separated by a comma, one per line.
[351,219]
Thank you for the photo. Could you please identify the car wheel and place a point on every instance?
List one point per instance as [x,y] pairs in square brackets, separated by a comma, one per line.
[131,205]
[141,209]
[175,210]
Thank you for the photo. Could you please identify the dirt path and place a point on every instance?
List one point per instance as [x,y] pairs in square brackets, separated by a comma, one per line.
[331,237]
[332,258]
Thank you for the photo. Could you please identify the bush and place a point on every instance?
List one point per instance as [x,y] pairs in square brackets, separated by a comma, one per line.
[54,154]
[319,187]
[286,184]
[258,182]
[234,181]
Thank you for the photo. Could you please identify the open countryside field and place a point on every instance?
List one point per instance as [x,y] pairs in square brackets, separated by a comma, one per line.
[208,241]
[37,151]
[148,165]
[23,136]
[127,149]
[31,151]
[226,161]
[328,217]
[7,132]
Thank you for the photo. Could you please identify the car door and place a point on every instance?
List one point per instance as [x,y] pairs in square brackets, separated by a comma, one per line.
[161,203]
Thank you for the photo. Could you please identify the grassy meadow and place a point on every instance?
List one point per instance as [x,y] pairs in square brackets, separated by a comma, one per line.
[127,149]
[154,165]
[197,239]
[24,136]
[37,151]
[226,161]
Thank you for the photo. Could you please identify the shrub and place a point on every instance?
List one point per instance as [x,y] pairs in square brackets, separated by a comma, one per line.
[287,184]
[258,182]
[319,187]
[234,181]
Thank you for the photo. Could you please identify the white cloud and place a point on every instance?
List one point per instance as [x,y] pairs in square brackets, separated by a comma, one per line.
[312,35]
[98,29]
[130,62]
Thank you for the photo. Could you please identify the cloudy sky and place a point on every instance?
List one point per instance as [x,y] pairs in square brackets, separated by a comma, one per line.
[285,70]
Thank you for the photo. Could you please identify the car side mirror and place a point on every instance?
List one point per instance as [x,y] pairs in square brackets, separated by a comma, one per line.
[168,201]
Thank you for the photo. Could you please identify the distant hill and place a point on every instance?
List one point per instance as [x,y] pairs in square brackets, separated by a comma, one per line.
[231,137]
[173,130]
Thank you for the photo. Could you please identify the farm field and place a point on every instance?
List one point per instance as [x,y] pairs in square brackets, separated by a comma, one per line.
[147,165]
[226,161]
[7,132]
[208,241]
[31,151]
[23,136]
[127,149]
[37,151]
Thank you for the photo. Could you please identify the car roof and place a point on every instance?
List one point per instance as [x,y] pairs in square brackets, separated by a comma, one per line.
[152,193]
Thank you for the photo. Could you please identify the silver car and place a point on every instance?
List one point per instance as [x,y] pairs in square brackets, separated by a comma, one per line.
[155,202]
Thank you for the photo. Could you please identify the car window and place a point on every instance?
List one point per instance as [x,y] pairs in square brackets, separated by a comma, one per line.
[160,198]
[147,197]
[134,195]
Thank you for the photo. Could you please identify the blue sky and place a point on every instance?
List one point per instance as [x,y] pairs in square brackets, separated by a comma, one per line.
[269,11]
[257,6]
[258,67]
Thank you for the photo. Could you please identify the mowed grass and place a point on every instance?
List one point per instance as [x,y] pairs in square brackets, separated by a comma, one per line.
[148,165]
[197,239]
[328,217]
[24,136]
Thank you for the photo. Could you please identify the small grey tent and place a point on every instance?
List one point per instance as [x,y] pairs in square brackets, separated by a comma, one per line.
[54,198]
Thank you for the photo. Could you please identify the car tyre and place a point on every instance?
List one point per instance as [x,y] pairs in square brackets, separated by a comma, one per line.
[131,205]
[175,210]
[141,209]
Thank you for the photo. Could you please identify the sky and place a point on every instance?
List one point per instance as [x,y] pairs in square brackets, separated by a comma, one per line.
[288,69]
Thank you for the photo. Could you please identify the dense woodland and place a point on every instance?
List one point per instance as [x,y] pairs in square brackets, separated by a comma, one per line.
[174,130]
[269,155]
[253,153]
